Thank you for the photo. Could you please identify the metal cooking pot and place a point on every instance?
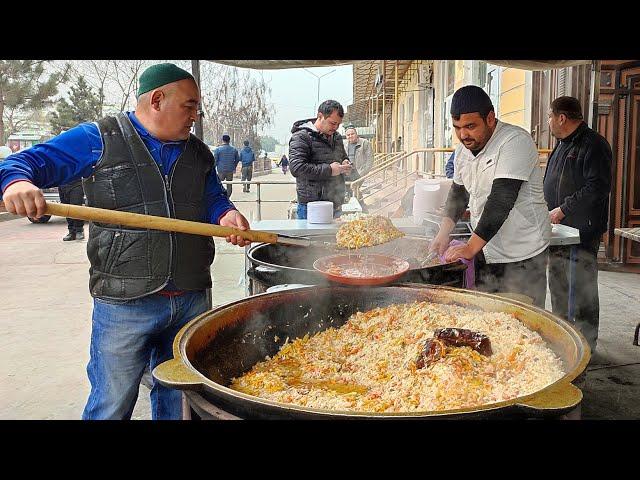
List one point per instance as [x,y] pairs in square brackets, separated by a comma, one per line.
[227,341]
[273,264]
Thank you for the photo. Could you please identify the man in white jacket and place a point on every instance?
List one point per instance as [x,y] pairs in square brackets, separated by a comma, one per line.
[496,171]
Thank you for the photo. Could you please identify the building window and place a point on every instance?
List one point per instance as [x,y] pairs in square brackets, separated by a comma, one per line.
[451,76]
[409,108]
[479,74]
[493,85]
[447,123]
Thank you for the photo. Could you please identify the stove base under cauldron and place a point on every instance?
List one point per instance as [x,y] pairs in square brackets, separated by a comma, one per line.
[196,407]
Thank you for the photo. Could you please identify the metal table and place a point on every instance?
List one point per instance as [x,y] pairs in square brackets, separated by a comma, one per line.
[301,227]
[632,234]
[564,235]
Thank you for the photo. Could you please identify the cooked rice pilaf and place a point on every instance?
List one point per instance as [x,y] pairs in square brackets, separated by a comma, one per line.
[366,232]
[368,364]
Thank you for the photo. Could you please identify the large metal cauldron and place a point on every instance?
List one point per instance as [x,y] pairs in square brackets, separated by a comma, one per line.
[227,341]
[275,264]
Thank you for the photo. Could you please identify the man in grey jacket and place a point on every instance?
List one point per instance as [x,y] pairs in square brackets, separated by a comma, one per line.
[359,152]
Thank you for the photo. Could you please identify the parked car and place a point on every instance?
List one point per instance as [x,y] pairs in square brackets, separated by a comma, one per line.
[50,195]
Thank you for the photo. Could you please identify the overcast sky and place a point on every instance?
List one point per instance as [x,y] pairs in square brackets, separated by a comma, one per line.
[294,94]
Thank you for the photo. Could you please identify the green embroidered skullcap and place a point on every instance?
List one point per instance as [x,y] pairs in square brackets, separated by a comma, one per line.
[157,75]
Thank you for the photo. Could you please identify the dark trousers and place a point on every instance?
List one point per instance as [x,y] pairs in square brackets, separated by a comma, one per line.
[527,277]
[72,194]
[587,303]
[226,176]
[247,173]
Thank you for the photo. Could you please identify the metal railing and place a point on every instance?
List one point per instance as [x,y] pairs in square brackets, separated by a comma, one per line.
[395,159]
[384,162]
[382,157]
[259,200]
[397,165]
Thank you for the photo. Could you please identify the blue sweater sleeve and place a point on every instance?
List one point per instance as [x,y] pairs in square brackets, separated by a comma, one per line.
[449,166]
[63,159]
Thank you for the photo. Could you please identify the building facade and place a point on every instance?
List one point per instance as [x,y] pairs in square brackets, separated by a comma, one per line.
[405,105]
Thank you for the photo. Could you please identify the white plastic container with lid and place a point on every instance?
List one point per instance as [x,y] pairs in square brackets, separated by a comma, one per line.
[430,195]
[320,212]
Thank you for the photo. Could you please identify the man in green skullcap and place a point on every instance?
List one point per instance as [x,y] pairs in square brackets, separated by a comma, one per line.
[146,284]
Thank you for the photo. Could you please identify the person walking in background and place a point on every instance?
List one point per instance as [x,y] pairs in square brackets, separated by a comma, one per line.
[284,164]
[577,183]
[73,194]
[226,158]
[247,157]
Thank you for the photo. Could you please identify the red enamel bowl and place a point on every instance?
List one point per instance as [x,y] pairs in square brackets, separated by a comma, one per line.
[361,269]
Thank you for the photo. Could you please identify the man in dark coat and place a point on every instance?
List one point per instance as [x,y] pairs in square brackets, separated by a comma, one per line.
[577,184]
[73,194]
[247,157]
[227,158]
[318,159]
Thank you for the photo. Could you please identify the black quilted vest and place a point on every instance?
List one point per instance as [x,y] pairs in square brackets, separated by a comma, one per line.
[129,263]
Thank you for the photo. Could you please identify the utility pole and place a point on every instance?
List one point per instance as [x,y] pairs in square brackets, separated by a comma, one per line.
[195,71]
[319,77]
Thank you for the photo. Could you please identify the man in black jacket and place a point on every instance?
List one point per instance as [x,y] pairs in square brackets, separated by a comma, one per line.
[317,158]
[73,194]
[577,183]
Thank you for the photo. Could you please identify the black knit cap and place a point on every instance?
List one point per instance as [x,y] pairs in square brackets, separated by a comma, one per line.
[470,99]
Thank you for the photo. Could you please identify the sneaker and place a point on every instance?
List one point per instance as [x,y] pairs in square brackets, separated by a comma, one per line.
[80,235]
[69,236]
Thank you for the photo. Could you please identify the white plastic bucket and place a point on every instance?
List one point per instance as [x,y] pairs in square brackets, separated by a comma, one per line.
[430,195]
[320,212]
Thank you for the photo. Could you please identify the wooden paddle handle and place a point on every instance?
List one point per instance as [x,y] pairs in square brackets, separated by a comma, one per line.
[155,223]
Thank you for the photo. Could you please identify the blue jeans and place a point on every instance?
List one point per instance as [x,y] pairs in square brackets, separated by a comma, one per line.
[302,212]
[126,336]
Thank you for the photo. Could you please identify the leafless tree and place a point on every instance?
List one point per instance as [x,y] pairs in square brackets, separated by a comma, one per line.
[125,74]
[97,74]
[234,103]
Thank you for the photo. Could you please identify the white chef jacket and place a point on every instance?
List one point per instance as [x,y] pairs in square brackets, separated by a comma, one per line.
[509,153]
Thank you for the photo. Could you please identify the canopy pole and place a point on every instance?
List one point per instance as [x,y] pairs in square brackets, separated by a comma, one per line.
[195,71]
[397,102]
[384,101]
[595,93]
